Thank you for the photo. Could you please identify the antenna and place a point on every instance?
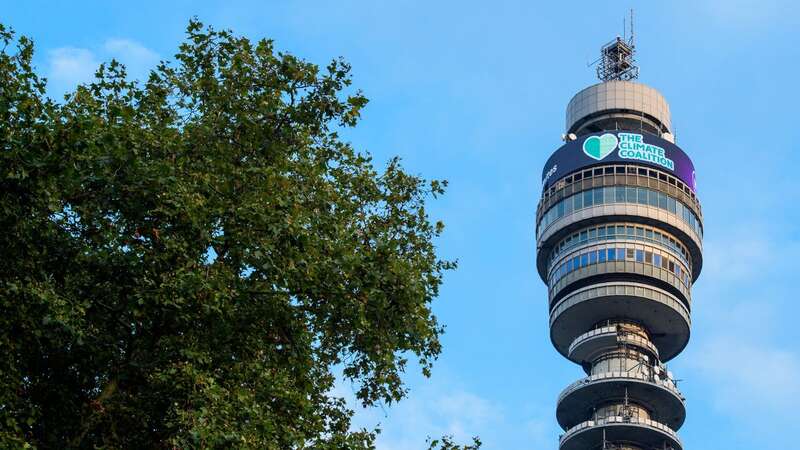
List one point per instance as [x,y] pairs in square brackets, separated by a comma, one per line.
[631,27]
[617,60]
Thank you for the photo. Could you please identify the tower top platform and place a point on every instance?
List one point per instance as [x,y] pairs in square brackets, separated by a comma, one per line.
[619,105]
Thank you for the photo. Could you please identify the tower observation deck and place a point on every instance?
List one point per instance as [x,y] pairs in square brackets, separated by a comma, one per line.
[619,244]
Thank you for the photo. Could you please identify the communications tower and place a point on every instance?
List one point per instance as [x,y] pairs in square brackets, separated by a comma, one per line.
[619,243]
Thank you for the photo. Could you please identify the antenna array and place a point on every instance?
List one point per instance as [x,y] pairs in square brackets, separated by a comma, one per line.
[617,60]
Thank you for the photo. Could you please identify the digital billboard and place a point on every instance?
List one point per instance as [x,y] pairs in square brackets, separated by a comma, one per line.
[619,147]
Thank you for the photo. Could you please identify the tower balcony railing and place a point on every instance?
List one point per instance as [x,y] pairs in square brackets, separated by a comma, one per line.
[621,420]
[621,338]
[665,383]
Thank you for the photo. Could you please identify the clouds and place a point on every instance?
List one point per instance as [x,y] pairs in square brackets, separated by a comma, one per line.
[743,360]
[443,406]
[748,13]
[751,379]
[751,382]
[138,58]
[739,257]
[69,66]
[431,411]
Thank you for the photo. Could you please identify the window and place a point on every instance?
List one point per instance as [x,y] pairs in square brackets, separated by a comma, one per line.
[630,194]
[619,194]
[652,198]
[642,196]
[662,201]
[629,232]
[606,195]
[615,254]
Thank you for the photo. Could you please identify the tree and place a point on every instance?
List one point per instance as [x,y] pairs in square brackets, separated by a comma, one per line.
[446,442]
[188,261]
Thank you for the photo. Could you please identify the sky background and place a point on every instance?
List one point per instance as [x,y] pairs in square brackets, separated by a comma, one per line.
[475,92]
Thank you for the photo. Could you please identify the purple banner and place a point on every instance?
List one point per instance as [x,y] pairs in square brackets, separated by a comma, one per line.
[619,147]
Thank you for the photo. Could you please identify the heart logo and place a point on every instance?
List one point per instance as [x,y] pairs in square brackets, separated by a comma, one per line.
[598,147]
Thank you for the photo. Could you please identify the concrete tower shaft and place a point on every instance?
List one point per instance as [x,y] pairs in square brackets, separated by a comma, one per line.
[619,244]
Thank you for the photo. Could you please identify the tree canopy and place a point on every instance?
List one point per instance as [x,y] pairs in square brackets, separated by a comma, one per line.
[188,261]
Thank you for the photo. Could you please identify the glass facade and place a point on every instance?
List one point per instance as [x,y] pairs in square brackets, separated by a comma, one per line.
[619,231]
[621,252]
[623,176]
[621,194]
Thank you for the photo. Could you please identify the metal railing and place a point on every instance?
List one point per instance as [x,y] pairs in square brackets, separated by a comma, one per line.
[647,378]
[614,420]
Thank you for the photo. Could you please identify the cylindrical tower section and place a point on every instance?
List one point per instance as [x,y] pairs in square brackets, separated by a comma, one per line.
[619,244]
[619,105]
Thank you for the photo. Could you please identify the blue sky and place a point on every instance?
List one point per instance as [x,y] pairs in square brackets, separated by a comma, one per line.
[475,92]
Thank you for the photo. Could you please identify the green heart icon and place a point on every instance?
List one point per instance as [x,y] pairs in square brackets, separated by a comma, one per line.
[598,147]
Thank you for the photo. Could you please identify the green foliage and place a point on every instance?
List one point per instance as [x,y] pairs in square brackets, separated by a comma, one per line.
[447,443]
[186,259]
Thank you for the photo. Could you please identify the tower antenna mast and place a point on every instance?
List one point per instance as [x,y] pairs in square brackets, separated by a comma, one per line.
[632,42]
[617,61]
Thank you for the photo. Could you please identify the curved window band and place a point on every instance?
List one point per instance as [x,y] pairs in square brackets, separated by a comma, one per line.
[621,194]
[618,231]
[612,254]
